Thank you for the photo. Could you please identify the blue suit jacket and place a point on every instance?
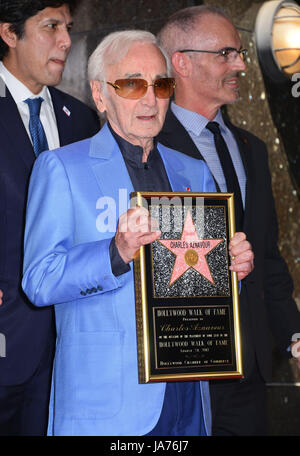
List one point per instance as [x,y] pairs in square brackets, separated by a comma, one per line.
[29,332]
[95,389]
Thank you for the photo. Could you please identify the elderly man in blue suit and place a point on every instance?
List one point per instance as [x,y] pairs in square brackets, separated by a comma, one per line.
[85,271]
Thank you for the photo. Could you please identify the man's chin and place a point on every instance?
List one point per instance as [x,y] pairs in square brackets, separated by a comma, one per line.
[53,79]
[150,132]
[234,97]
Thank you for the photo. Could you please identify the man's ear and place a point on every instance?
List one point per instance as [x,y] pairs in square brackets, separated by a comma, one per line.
[97,95]
[9,37]
[181,64]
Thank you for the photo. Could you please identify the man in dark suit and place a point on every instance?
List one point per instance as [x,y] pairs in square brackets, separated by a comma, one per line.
[34,116]
[207,57]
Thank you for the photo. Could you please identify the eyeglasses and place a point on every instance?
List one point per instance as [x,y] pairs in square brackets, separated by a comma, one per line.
[228,53]
[134,89]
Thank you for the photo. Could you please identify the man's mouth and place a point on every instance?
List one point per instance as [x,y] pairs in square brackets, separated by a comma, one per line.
[147,118]
[232,82]
[60,62]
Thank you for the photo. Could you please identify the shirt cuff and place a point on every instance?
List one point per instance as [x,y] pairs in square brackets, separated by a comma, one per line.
[118,266]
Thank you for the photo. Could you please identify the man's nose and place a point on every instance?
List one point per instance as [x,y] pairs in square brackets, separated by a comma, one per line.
[64,40]
[239,62]
[149,98]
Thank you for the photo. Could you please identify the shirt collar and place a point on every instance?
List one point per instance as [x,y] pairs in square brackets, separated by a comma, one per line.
[18,90]
[192,121]
[131,152]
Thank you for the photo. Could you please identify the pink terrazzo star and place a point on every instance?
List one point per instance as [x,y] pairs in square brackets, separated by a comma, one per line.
[190,251]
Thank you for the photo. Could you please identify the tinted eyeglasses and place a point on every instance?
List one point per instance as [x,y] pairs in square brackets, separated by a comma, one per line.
[134,88]
[228,53]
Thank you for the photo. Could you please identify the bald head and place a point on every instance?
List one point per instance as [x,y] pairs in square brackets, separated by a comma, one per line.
[197,40]
[187,25]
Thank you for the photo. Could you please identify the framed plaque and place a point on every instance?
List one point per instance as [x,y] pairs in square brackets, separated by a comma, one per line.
[187,301]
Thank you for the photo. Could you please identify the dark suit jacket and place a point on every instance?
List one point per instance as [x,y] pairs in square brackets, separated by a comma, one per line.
[266,298]
[29,332]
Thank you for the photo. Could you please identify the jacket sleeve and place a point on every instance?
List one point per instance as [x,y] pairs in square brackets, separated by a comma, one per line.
[56,270]
[273,294]
[278,284]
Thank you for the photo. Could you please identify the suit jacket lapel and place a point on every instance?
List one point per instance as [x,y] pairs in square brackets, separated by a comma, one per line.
[63,118]
[174,133]
[245,153]
[174,169]
[12,124]
[109,168]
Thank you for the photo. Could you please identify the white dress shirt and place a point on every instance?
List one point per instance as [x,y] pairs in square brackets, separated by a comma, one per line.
[20,93]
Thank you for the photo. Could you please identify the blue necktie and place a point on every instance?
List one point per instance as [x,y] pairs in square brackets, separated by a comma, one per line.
[36,129]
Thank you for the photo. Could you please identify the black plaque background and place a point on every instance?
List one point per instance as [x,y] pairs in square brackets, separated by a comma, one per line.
[203,366]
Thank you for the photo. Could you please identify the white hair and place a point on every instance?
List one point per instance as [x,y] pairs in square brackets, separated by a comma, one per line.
[114,47]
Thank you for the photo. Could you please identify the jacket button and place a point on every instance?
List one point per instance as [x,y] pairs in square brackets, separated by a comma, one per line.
[99,288]
[83,293]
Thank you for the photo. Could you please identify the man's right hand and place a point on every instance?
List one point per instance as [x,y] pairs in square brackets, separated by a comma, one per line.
[135,228]
[1,296]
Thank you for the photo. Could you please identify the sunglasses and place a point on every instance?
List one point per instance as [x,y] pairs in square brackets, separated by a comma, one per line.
[134,89]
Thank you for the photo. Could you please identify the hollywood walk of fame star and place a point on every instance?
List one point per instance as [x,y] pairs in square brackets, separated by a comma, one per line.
[190,251]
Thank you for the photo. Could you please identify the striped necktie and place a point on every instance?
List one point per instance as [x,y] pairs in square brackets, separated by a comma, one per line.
[36,129]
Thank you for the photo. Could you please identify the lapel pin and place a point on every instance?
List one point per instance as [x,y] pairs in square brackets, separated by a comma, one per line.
[66,111]
[188,189]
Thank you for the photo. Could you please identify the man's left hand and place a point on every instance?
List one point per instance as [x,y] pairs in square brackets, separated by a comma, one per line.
[242,255]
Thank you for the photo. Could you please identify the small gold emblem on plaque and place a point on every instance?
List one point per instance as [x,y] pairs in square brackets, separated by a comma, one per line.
[191,257]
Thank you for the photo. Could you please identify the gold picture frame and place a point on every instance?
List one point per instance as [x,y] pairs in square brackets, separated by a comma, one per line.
[187,299]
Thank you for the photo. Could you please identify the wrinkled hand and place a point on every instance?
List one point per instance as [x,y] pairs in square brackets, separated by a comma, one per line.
[242,255]
[1,296]
[135,228]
